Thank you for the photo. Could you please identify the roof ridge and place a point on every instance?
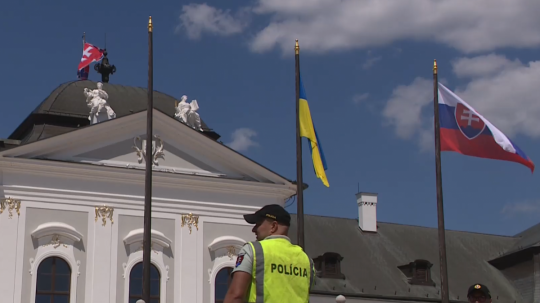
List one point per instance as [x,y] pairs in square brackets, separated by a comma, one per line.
[411,225]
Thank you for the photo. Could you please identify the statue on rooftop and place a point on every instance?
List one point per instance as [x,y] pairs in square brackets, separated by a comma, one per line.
[187,113]
[96,100]
[104,68]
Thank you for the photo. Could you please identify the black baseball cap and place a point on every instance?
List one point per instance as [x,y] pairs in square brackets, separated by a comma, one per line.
[479,287]
[272,211]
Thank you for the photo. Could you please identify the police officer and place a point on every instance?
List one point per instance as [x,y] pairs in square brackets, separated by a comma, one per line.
[271,269]
[479,293]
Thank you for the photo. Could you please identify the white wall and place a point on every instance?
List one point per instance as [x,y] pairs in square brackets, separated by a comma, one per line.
[69,193]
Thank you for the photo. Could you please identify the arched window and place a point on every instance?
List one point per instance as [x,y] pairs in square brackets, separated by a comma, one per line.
[53,281]
[136,280]
[223,280]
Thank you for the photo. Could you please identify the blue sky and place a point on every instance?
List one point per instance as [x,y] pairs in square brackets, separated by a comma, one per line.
[367,71]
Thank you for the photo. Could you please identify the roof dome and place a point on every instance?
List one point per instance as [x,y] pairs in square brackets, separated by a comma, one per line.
[65,109]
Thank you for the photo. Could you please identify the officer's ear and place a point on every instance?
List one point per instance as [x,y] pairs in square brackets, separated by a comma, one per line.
[275,226]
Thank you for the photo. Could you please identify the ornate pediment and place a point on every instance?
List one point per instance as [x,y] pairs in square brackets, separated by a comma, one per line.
[187,152]
[136,237]
[226,246]
[56,234]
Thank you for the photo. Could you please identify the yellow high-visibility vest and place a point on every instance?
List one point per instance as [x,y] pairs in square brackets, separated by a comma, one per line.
[282,272]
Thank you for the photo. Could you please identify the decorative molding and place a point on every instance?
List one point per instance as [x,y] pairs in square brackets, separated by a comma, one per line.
[91,173]
[104,212]
[57,230]
[31,265]
[11,204]
[226,241]
[231,252]
[157,151]
[55,242]
[190,220]
[157,237]
[162,268]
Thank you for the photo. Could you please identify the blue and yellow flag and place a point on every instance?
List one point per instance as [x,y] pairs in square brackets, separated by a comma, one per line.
[307,130]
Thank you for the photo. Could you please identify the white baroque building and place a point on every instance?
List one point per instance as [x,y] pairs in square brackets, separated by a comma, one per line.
[72,208]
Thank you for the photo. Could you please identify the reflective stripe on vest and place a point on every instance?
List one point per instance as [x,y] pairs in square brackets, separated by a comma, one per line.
[258,261]
[256,293]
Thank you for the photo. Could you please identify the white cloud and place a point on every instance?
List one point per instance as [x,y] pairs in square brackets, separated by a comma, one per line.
[370,62]
[358,98]
[404,109]
[508,99]
[242,139]
[330,25]
[522,208]
[199,18]
[483,65]
[327,25]
[503,91]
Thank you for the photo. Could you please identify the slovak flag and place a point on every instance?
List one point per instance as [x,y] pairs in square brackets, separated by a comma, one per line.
[82,74]
[90,54]
[465,131]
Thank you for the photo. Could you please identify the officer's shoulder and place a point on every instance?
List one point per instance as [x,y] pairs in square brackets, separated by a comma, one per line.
[247,245]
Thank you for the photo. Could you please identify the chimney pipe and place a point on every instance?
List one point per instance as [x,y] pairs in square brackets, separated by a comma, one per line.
[367,211]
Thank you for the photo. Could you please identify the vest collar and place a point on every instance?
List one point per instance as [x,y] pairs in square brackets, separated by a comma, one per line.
[278,237]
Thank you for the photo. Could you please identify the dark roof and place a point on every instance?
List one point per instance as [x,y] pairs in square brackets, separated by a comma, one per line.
[528,238]
[65,109]
[527,243]
[370,260]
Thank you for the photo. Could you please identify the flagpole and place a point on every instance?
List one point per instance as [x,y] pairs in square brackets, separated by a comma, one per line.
[440,209]
[148,172]
[299,177]
[79,72]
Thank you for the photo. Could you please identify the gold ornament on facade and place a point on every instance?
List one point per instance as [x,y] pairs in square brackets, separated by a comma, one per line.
[55,242]
[104,212]
[11,204]
[231,252]
[190,220]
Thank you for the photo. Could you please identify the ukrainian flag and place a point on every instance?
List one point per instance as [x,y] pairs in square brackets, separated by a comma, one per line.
[307,130]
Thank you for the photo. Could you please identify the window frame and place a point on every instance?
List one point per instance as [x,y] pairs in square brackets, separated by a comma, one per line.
[160,277]
[156,259]
[223,252]
[229,279]
[321,262]
[67,235]
[70,260]
[410,271]
[52,291]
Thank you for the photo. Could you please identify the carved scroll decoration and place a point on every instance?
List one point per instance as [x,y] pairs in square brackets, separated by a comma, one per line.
[105,212]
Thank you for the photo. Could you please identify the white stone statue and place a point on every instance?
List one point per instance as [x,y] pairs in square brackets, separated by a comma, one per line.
[96,100]
[187,113]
